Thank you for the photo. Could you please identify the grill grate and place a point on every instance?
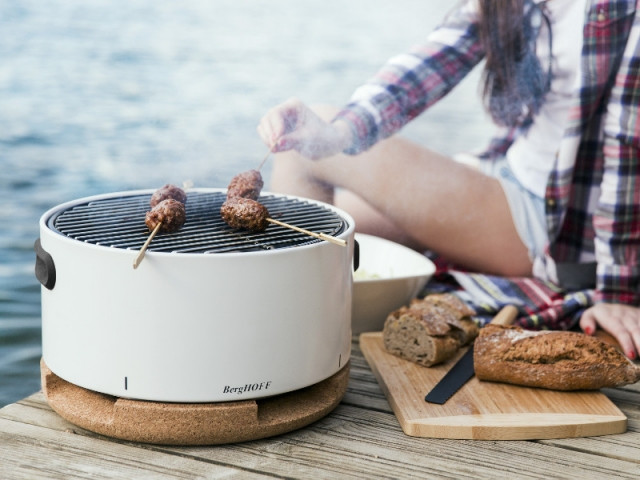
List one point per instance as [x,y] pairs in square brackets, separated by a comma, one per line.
[118,222]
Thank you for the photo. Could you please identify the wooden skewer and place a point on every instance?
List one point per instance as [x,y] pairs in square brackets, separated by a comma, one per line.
[268,154]
[140,256]
[322,236]
[264,159]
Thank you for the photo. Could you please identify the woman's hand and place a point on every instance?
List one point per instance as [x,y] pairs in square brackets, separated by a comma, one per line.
[621,321]
[292,125]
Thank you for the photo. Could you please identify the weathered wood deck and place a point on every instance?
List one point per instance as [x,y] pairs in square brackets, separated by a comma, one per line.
[361,438]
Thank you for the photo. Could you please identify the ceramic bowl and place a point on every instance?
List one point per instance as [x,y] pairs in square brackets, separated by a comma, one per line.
[389,276]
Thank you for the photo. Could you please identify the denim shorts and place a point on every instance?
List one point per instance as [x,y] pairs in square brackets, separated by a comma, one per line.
[527,209]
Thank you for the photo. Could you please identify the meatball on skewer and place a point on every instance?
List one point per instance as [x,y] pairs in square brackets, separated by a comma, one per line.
[241,210]
[246,185]
[245,213]
[167,214]
[168,191]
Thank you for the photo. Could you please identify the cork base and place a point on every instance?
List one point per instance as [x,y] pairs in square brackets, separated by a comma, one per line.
[192,423]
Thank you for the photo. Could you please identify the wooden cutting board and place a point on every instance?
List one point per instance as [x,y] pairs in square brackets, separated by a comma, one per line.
[486,410]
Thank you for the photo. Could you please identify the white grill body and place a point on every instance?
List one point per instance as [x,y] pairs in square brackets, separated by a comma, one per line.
[188,327]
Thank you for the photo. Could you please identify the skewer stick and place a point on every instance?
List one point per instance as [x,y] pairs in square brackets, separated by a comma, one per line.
[322,236]
[140,256]
[264,159]
[268,153]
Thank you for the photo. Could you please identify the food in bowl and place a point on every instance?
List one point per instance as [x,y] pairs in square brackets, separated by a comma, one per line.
[389,276]
[362,274]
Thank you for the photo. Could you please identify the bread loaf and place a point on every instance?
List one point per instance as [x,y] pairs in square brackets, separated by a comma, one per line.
[431,330]
[555,360]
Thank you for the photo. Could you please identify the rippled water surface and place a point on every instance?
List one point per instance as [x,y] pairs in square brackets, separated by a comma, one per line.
[111,95]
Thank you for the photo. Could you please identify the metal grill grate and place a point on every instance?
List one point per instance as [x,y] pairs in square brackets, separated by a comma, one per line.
[118,222]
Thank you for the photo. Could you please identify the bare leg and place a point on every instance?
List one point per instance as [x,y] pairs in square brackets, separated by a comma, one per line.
[371,221]
[409,194]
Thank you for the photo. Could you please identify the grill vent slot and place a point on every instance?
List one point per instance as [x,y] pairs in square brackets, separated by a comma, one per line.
[118,222]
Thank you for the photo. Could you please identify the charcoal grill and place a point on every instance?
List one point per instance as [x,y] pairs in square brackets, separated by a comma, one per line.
[212,314]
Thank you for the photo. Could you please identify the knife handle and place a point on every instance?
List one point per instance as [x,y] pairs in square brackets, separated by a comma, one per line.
[506,316]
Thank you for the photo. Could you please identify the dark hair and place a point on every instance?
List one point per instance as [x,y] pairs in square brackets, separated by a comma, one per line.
[514,83]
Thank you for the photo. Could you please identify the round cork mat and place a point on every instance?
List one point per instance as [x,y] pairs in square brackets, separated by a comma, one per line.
[192,423]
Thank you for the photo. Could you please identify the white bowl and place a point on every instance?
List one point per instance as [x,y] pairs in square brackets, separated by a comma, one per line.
[390,275]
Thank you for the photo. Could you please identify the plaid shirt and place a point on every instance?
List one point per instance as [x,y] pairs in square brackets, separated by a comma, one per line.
[593,193]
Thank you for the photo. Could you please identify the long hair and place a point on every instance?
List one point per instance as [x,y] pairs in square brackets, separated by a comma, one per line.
[514,84]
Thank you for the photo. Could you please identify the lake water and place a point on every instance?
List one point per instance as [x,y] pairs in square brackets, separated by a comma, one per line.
[111,95]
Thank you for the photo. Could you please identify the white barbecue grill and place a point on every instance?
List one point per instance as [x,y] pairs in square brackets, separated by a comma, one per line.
[211,314]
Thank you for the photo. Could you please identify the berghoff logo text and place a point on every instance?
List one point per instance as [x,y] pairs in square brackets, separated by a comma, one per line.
[249,387]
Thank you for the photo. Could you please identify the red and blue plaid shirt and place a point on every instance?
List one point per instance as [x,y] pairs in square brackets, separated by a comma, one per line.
[593,192]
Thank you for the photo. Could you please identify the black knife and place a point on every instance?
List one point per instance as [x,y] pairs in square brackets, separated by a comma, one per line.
[462,371]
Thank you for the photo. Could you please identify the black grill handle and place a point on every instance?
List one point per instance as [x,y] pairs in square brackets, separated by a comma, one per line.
[356,255]
[45,268]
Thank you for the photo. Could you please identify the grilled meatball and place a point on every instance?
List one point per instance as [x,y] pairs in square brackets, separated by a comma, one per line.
[245,213]
[170,212]
[246,184]
[168,191]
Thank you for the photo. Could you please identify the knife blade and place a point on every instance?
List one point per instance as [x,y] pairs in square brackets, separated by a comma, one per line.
[462,371]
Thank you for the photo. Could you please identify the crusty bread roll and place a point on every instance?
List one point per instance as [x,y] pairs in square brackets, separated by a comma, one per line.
[431,330]
[555,360]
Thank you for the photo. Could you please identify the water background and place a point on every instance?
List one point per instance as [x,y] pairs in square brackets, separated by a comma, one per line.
[112,95]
